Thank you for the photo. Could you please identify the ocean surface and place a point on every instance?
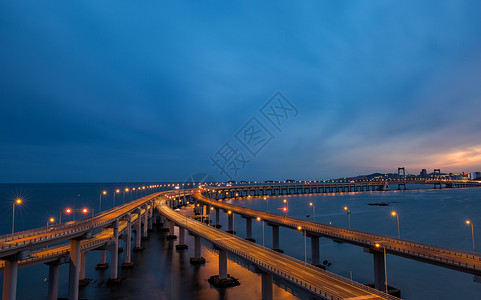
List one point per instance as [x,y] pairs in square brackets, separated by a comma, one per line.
[161,272]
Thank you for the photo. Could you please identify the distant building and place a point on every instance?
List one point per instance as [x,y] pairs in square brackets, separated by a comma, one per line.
[475,175]
[423,173]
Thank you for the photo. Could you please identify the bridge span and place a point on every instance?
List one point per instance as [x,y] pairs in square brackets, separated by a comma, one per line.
[320,283]
[464,261]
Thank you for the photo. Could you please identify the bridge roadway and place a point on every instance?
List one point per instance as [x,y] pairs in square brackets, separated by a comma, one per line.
[264,189]
[46,255]
[464,261]
[316,281]
[41,237]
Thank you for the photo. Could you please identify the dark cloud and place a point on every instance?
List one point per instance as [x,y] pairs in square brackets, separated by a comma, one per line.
[135,91]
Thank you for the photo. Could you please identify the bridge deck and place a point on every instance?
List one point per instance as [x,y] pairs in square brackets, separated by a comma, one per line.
[464,261]
[319,282]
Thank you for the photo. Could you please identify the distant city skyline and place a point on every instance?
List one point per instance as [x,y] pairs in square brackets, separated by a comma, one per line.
[129,92]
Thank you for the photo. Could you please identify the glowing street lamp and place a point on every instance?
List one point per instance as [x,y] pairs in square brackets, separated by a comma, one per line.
[348,215]
[100,201]
[468,222]
[18,201]
[285,210]
[395,214]
[116,192]
[50,220]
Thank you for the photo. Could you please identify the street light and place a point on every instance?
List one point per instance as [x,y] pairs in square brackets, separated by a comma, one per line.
[472,232]
[385,266]
[50,220]
[305,243]
[313,210]
[267,207]
[18,201]
[395,214]
[285,210]
[100,201]
[126,190]
[348,215]
[116,191]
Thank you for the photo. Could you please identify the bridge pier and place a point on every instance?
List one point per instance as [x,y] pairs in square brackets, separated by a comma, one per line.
[103,261]
[128,244]
[379,268]
[10,275]
[249,229]
[74,270]
[197,259]
[151,215]
[114,256]
[223,279]
[83,258]
[145,234]
[267,293]
[171,235]
[217,218]
[138,247]
[181,245]
[53,276]
[230,223]
[275,238]
[315,250]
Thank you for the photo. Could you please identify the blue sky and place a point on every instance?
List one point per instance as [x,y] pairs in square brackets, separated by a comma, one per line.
[128,91]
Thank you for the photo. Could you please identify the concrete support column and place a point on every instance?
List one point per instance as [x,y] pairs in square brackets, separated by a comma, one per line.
[114,253]
[83,258]
[53,271]
[379,278]
[230,223]
[128,243]
[315,250]
[73,281]
[181,245]
[248,228]
[138,233]
[267,286]
[146,222]
[197,259]
[10,279]
[171,235]
[217,218]
[222,264]
[151,215]
[275,237]
[103,256]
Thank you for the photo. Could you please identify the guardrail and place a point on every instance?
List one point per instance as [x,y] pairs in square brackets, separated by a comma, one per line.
[370,239]
[183,221]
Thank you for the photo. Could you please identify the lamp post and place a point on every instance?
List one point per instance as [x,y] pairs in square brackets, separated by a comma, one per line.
[126,190]
[385,266]
[267,207]
[468,222]
[395,214]
[50,220]
[100,201]
[348,215]
[16,202]
[116,192]
[313,210]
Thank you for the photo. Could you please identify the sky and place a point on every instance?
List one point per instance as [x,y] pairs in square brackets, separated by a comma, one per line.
[110,91]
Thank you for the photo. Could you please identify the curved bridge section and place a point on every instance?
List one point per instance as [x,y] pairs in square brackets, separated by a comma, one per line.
[318,282]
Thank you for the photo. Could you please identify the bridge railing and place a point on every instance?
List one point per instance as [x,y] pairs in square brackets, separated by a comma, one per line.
[64,230]
[180,220]
[370,238]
